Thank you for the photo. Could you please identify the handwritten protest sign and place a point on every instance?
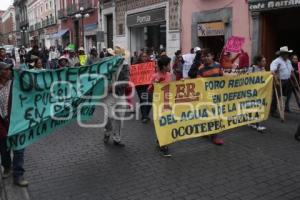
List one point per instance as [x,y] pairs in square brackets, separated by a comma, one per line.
[140,74]
[198,107]
[234,44]
[45,100]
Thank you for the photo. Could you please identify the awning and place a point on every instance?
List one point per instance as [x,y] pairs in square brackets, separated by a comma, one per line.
[60,33]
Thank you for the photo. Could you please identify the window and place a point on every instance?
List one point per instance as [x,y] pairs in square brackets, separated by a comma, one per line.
[46,6]
[50,4]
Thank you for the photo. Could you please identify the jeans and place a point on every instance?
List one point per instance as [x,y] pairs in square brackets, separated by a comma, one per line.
[18,159]
[286,91]
[114,116]
[142,91]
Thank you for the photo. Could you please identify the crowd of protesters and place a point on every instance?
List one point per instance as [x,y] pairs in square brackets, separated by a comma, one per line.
[198,63]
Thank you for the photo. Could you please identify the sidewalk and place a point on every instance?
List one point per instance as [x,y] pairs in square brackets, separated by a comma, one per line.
[11,192]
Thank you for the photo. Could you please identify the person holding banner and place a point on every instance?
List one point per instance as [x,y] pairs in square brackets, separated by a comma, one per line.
[178,65]
[259,65]
[142,91]
[161,76]
[116,100]
[209,68]
[5,108]
[282,67]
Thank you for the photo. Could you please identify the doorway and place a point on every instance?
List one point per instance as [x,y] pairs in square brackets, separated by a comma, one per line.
[110,31]
[279,28]
[213,43]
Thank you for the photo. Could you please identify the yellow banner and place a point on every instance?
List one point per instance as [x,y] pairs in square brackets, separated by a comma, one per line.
[198,107]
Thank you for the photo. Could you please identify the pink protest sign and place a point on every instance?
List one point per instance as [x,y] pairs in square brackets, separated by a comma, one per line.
[234,44]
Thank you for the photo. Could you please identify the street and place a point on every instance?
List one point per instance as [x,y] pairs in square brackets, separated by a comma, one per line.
[73,163]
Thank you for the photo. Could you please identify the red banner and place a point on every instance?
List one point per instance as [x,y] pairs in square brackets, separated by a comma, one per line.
[140,74]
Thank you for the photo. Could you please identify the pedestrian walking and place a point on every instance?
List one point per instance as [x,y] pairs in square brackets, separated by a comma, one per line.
[22,53]
[73,58]
[142,91]
[162,75]
[4,59]
[178,65]
[32,54]
[259,65]
[5,108]
[282,67]
[114,101]
[53,57]
[204,66]
[64,61]
[188,61]
[82,56]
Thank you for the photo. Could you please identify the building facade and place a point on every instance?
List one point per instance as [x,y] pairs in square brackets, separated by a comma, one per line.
[137,25]
[42,15]
[274,25]
[79,23]
[1,27]
[9,26]
[209,24]
[22,24]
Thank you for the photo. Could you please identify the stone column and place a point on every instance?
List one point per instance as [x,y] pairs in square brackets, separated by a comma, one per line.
[256,33]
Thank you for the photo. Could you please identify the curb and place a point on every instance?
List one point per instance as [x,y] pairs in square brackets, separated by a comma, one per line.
[11,192]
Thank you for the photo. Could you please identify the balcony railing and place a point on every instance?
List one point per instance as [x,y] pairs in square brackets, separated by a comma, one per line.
[38,26]
[62,14]
[72,9]
[75,8]
[31,28]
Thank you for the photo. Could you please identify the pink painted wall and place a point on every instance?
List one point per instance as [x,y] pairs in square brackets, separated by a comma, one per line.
[240,20]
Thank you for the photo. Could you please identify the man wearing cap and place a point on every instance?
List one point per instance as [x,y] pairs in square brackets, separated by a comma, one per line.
[5,108]
[282,67]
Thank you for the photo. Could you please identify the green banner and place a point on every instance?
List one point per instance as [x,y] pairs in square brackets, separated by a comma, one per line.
[45,100]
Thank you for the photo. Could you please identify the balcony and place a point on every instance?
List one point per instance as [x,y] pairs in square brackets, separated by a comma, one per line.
[62,14]
[75,8]
[23,22]
[31,28]
[87,5]
[38,26]
[72,10]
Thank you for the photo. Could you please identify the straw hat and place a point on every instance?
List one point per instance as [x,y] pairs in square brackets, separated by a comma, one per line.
[111,51]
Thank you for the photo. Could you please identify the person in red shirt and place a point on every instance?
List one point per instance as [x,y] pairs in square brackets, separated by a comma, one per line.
[226,61]
[162,75]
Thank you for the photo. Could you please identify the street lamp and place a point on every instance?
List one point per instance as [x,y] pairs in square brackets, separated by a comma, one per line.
[81,15]
[23,31]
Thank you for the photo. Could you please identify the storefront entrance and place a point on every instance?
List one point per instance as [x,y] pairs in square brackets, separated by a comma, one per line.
[147,30]
[279,28]
[153,37]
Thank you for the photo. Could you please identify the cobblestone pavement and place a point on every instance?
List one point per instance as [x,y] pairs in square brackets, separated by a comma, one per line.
[73,163]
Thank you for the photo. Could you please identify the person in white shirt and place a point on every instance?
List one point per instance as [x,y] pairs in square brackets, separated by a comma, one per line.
[282,68]
[53,57]
[188,61]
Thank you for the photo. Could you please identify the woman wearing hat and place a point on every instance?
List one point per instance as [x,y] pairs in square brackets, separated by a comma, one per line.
[282,67]
[63,62]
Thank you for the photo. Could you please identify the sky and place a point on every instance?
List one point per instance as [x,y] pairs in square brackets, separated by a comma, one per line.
[4,4]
